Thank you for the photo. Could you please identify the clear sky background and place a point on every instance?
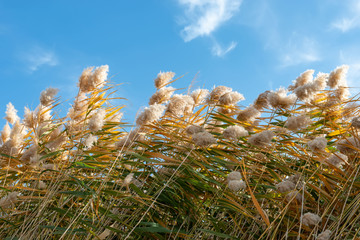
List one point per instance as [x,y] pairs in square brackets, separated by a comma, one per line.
[249,45]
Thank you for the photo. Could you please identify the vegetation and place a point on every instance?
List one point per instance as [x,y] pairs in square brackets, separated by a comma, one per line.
[196,166]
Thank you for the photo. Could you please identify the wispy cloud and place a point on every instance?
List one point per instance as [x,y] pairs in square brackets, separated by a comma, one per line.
[220,51]
[203,17]
[299,50]
[351,18]
[38,57]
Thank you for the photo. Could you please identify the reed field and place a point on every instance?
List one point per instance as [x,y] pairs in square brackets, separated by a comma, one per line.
[196,164]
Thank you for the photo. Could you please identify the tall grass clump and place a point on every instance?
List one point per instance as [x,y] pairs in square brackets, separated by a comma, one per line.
[196,165]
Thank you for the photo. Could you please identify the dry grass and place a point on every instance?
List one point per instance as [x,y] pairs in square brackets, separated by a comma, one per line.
[84,177]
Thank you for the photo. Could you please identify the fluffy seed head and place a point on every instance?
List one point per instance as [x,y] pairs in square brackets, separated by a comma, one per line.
[317,144]
[338,77]
[234,175]
[96,122]
[337,159]
[262,101]
[285,186]
[249,114]
[349,145]
[9,200]
[325,235]
[161,95]
[234,132]
[236,185]
[280,99]
[319,82]
[163,78]
[90,141]
[203,139]
[90,79]
[31,152]
[261,139]
[100,75]
[192,129]
[294,194]
[180,105]
[150,114]
[303,79]
[128,179]
[5,133]
[199,95]
[298,122]
[310,219]
[11,113]
[47,96]
[355,122]
[231,98]
[217,92]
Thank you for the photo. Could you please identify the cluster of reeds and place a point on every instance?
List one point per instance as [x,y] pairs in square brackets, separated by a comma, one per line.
[196,165]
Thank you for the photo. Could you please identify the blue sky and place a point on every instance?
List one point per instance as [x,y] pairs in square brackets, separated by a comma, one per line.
[249,45]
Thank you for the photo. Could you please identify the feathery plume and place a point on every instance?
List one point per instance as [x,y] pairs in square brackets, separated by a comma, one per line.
[163,78]
[199,96]
[294,194]
[217,92]
[161,95]
[261,139]
[192,129]
[11,113]
[285,186]
[85,81]
[150,114]
[30,119]
[235,132]
[90,141]
[349,145]
[9,200]
[280,99]
[338,77]
[203,139]
[303,79]
[317,144]
[310,219]
[262,101]
[231,98]
[236,185]
[298,122]
[337,159]
[234,175]
[325,235]
[41,185]
[31,152]
[180,105]
[5,133]
[249,114]
[100,75]
[47,96]
[90,79]
[96,122]
[355,122]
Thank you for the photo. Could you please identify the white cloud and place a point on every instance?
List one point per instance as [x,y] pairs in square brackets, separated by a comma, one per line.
[202,17]
[299,50]
[351,18]
[38,57]
[219,51]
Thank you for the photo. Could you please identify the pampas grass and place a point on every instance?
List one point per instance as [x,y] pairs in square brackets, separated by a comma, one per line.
[197,166]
